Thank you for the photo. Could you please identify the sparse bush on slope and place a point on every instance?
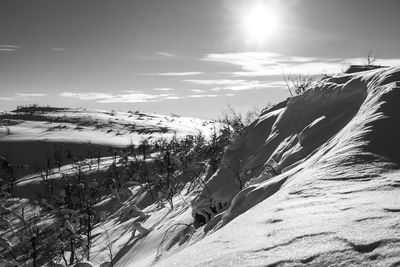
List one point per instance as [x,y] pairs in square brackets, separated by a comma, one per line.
[7,176]
[162,168]
[236,120]
[298,84]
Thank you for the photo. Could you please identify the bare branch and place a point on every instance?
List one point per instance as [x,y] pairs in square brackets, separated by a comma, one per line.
[298,83]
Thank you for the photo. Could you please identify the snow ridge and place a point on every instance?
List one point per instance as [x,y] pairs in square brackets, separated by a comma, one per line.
[319,174]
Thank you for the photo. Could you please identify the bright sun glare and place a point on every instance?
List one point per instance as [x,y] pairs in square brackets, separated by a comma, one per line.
[259,23]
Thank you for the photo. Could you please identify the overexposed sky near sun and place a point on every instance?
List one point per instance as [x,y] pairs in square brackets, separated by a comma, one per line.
[182,56]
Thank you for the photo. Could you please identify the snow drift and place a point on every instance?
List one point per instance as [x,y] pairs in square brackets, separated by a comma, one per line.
[313,181]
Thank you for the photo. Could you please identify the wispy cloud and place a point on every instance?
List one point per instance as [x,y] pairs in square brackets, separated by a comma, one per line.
[198,90]
[261,64]
[187,73]
[163,89]
[199,96]
[271,64]
[238,84]
[8,48]
[30,95]
[250,85]
[165,54]
[383,62]
[23,97]
[135,98]
[57,49]
[174,97]
[215,82]
[87,96]
[132,97]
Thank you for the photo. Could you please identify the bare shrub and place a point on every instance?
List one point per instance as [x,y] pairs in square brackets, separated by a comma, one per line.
[298,84]
[370,59]
[233,118]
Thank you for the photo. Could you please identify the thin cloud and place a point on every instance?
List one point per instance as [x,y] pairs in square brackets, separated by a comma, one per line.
[261,64]
[132,97]
[163,89]
[238,84]
[165,54]
[383,62]
[215,82]
[199,96]
[30,95]
[57,49]
[188,73]
[174,97]
[87,96]
[198,91]
[8,48]
[250,85]
[23,97]
[135,98]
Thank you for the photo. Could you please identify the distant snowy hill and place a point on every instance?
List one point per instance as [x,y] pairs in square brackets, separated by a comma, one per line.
[30,134]
[95,126]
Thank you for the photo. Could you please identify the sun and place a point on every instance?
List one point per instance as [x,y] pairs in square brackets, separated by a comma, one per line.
[259,23]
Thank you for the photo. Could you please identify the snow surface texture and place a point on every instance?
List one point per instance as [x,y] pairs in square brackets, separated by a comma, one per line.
[323,185]
[29,139]
[313,182]
[98,127]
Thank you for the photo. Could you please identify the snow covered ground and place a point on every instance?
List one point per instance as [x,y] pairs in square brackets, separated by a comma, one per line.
[312,182]
[326,188]
[29,139]
[98,127]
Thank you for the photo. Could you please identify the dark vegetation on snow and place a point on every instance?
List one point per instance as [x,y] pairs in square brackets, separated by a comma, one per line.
[56,222]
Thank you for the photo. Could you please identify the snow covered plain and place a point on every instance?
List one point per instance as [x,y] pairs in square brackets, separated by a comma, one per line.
[313,181]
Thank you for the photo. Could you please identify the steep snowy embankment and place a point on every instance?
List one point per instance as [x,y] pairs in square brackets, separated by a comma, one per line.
[312,183]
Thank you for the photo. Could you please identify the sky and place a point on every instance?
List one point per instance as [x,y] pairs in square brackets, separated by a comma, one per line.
[188,57]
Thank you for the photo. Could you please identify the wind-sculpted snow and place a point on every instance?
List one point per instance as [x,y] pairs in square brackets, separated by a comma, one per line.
[281,139]
[313,183]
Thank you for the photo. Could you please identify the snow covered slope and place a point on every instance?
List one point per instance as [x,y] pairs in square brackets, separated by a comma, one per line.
[313,183]
[30,135]
[96,127]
